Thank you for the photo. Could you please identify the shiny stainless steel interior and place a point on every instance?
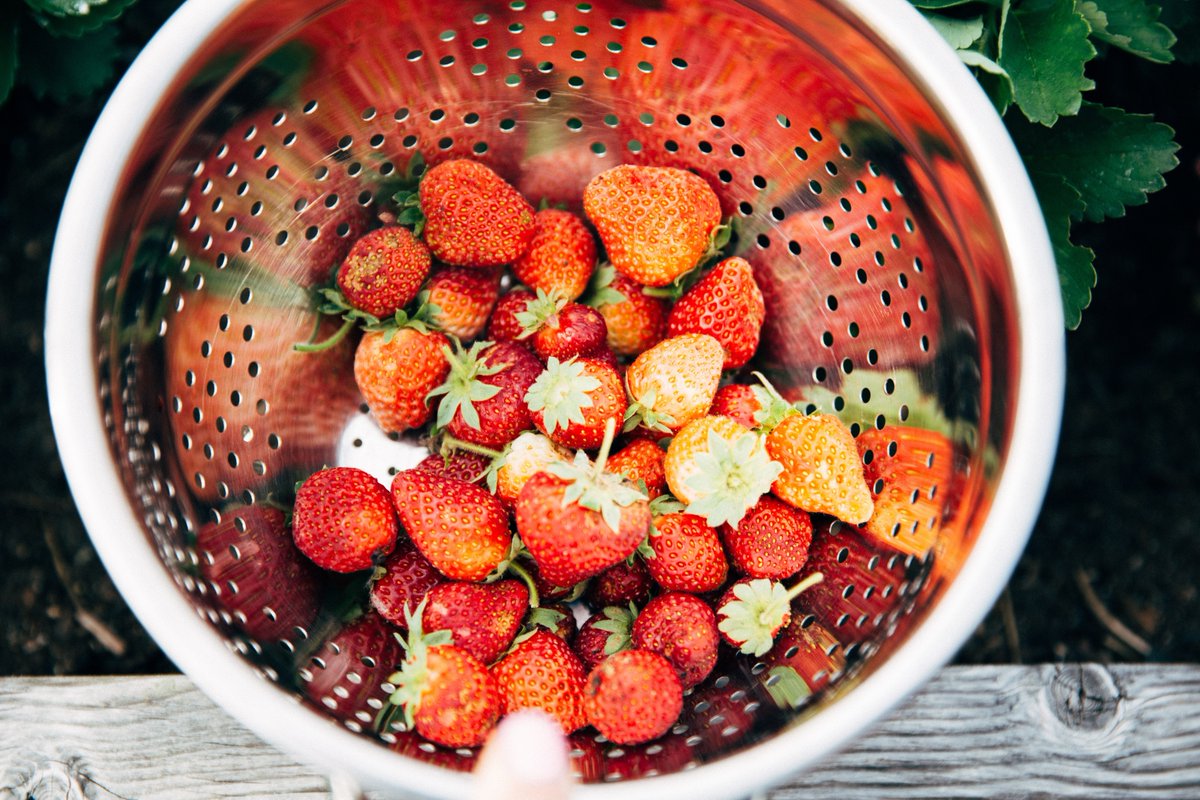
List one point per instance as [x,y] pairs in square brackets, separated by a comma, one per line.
[907,277]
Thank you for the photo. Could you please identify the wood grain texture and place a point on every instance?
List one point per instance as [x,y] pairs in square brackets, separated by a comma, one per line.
[1084,731]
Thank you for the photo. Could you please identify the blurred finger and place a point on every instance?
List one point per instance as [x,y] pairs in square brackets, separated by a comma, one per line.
[525,758]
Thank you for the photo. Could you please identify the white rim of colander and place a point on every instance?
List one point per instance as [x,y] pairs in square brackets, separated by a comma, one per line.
[276,717]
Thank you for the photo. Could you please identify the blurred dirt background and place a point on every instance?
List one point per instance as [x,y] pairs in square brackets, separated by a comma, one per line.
[1109,574]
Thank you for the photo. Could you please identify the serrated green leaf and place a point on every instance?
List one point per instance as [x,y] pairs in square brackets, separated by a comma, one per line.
[958,33]
[1060,202]
[1112,158]
[1131,25]
[1183,18]
[74,18]
[992,77]
[8,49]
[1044,46]
[63,70]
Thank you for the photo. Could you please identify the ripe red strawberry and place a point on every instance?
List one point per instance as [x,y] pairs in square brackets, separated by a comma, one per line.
[752,611]
[460,464]
[771,541]
[718,469]
[446,693]
[460,527]
[561,329]
[683,629]
[561,257]
[464,299]
[822,470]
[727,305]
[542,672]
[573,402]
[635,320]
[407,577]
[473,217]
[576,519]
[738,402]
[591,641]
[483,619]
[383,271]
[346,674]
[483,398]
[688,556]
[908,471]
[641,460]
[633,696]
[343,518]
[256,573]
[395,372]
[805,658]
[621,584]
[504,325]
[656,223]
[673,383]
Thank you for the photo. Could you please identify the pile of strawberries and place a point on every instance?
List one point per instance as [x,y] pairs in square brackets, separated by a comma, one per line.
[596,443]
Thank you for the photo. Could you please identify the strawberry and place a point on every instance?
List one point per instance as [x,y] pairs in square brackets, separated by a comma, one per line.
[574,401]
[504,325]
[635,320]
[395,372]
[673,383]
[771,541]
[256,573]
[641,460]
[460,464]
[688,556]
[752,611]
[822,471]
[738,402]
[346,674]
[604,633]
[447,695]
[383,271]
[621,584]
[523,457]
[906,468]
[727,305]
[556,618]
[482,618]
[561,257]
[560,328]
[483,397]
[576,519]
[462,299]
[718,469]
[805,658]
[460,527]
[683,629]
[542,672]
[343,518]
[407,576]
[473,217]
[633,696]
[656,223]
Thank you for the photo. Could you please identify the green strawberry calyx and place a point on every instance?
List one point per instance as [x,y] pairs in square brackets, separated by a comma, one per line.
[412,679]
[618,624]
[462,388]
[561,392]
[333,303]
[641,412]
[730,477]
[760,608]
[541,308]
[600,291]
[772,408]
[591,487]
[405,198]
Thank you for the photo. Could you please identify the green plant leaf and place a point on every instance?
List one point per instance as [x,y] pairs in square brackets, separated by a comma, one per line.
[1183,18]
[1044,46]
[65,69]
[74,18]
[1131,25]
[1112,158]
[958,33]
[1060,202]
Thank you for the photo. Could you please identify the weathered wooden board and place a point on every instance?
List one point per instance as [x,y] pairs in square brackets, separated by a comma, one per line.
[1087,731]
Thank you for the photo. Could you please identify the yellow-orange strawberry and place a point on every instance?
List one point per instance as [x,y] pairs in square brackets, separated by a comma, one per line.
[526,456]
[718,469]
[727,305]
[822,470]
[656,223]
[473,217]
[396,370]
[635,320]
[908,471]
[674,382]
[561,257]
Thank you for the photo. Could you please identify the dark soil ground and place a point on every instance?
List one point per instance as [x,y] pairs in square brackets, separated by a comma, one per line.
[1117,542]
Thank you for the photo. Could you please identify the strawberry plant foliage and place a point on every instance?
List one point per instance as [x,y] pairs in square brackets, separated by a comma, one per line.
[1087,162]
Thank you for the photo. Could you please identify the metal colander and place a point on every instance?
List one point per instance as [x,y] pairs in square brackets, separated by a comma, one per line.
[907,275]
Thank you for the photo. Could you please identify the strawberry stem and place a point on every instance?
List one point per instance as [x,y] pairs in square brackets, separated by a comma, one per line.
[610,431]
[807,583]
[315,347]
[470,447]
[522,573]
